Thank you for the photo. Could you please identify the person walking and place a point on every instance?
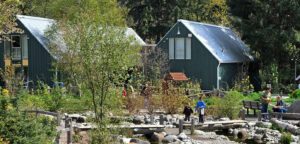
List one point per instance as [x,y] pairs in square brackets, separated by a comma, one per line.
[200,109]
[266,99]
[187,112]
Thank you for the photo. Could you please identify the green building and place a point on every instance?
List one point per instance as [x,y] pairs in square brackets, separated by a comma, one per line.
[29,53]
[211,54]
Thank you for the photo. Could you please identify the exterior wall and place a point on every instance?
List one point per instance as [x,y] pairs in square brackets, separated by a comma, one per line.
[201,67]
[39,60]
[228,73]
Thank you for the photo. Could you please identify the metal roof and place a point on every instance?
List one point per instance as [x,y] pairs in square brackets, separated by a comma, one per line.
[220,41]
[38,26]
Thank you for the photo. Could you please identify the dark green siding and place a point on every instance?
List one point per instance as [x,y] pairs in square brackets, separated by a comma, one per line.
[39,59]
[202,66]
[228,73]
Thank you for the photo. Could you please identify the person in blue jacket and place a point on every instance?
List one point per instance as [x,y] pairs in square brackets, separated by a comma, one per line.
[200,109]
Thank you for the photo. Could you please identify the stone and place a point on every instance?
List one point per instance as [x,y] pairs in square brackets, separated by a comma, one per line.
[295,138]
[294,108]
[224,119]
[157,137]
[263,124]
[182,136]
[199,132]
[169,139]
[125,140]
[257,138]
[138,120]
[209,119]
[164,133]
[138,141]
[230,131]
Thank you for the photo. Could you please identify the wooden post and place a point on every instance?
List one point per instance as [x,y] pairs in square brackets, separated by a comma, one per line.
[259,115]
[58,118]
[161,119]
[192,125]
[180,126]
[69,133]
[66,122]
[151,119]
[243,114]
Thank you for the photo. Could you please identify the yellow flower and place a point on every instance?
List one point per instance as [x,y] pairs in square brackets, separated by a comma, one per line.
[5,92]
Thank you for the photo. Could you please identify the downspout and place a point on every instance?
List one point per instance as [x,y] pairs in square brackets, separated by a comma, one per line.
[218,82]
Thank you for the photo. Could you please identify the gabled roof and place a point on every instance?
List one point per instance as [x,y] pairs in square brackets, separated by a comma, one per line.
[221,42]
[38,26]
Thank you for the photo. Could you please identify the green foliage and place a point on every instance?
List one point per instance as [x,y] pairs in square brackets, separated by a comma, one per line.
[295,94]
[228,106]
[255,96]
[152,19]
[242,85]
[286,138]
[21,128]
[271,29]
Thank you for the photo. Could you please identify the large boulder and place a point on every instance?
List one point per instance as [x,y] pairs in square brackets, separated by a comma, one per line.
[169,139]
[295,107]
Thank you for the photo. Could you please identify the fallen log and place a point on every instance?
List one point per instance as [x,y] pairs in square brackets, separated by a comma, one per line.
[290,128]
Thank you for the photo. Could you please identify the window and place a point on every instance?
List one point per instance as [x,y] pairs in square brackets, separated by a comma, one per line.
[171,48]
[16,47]
[180,48]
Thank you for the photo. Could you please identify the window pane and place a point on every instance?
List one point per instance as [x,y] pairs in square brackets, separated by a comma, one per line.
[16,41]
[179,50]
[171,48]
[25,46]
[7,48]
[188,48]
[16,53]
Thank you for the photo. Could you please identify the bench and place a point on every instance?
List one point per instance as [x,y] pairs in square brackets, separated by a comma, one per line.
[255,105]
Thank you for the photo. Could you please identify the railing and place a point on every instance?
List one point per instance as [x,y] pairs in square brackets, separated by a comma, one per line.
[39,111]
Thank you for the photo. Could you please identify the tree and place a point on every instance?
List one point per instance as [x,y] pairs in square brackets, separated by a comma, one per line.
[271,28]
[152,19]
[8,24]
[97,50]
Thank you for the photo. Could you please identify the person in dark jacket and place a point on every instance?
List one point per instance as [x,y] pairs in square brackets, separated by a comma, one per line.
[187,112]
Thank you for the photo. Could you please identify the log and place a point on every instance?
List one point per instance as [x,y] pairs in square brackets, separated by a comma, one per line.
[217,127]
[292,116]
[146,131]
[282,125]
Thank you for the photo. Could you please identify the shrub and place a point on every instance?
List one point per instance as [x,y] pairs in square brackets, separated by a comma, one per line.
[20,128]
[253,96]
[286,138]
[295,94]
[174,100]
[228,106]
